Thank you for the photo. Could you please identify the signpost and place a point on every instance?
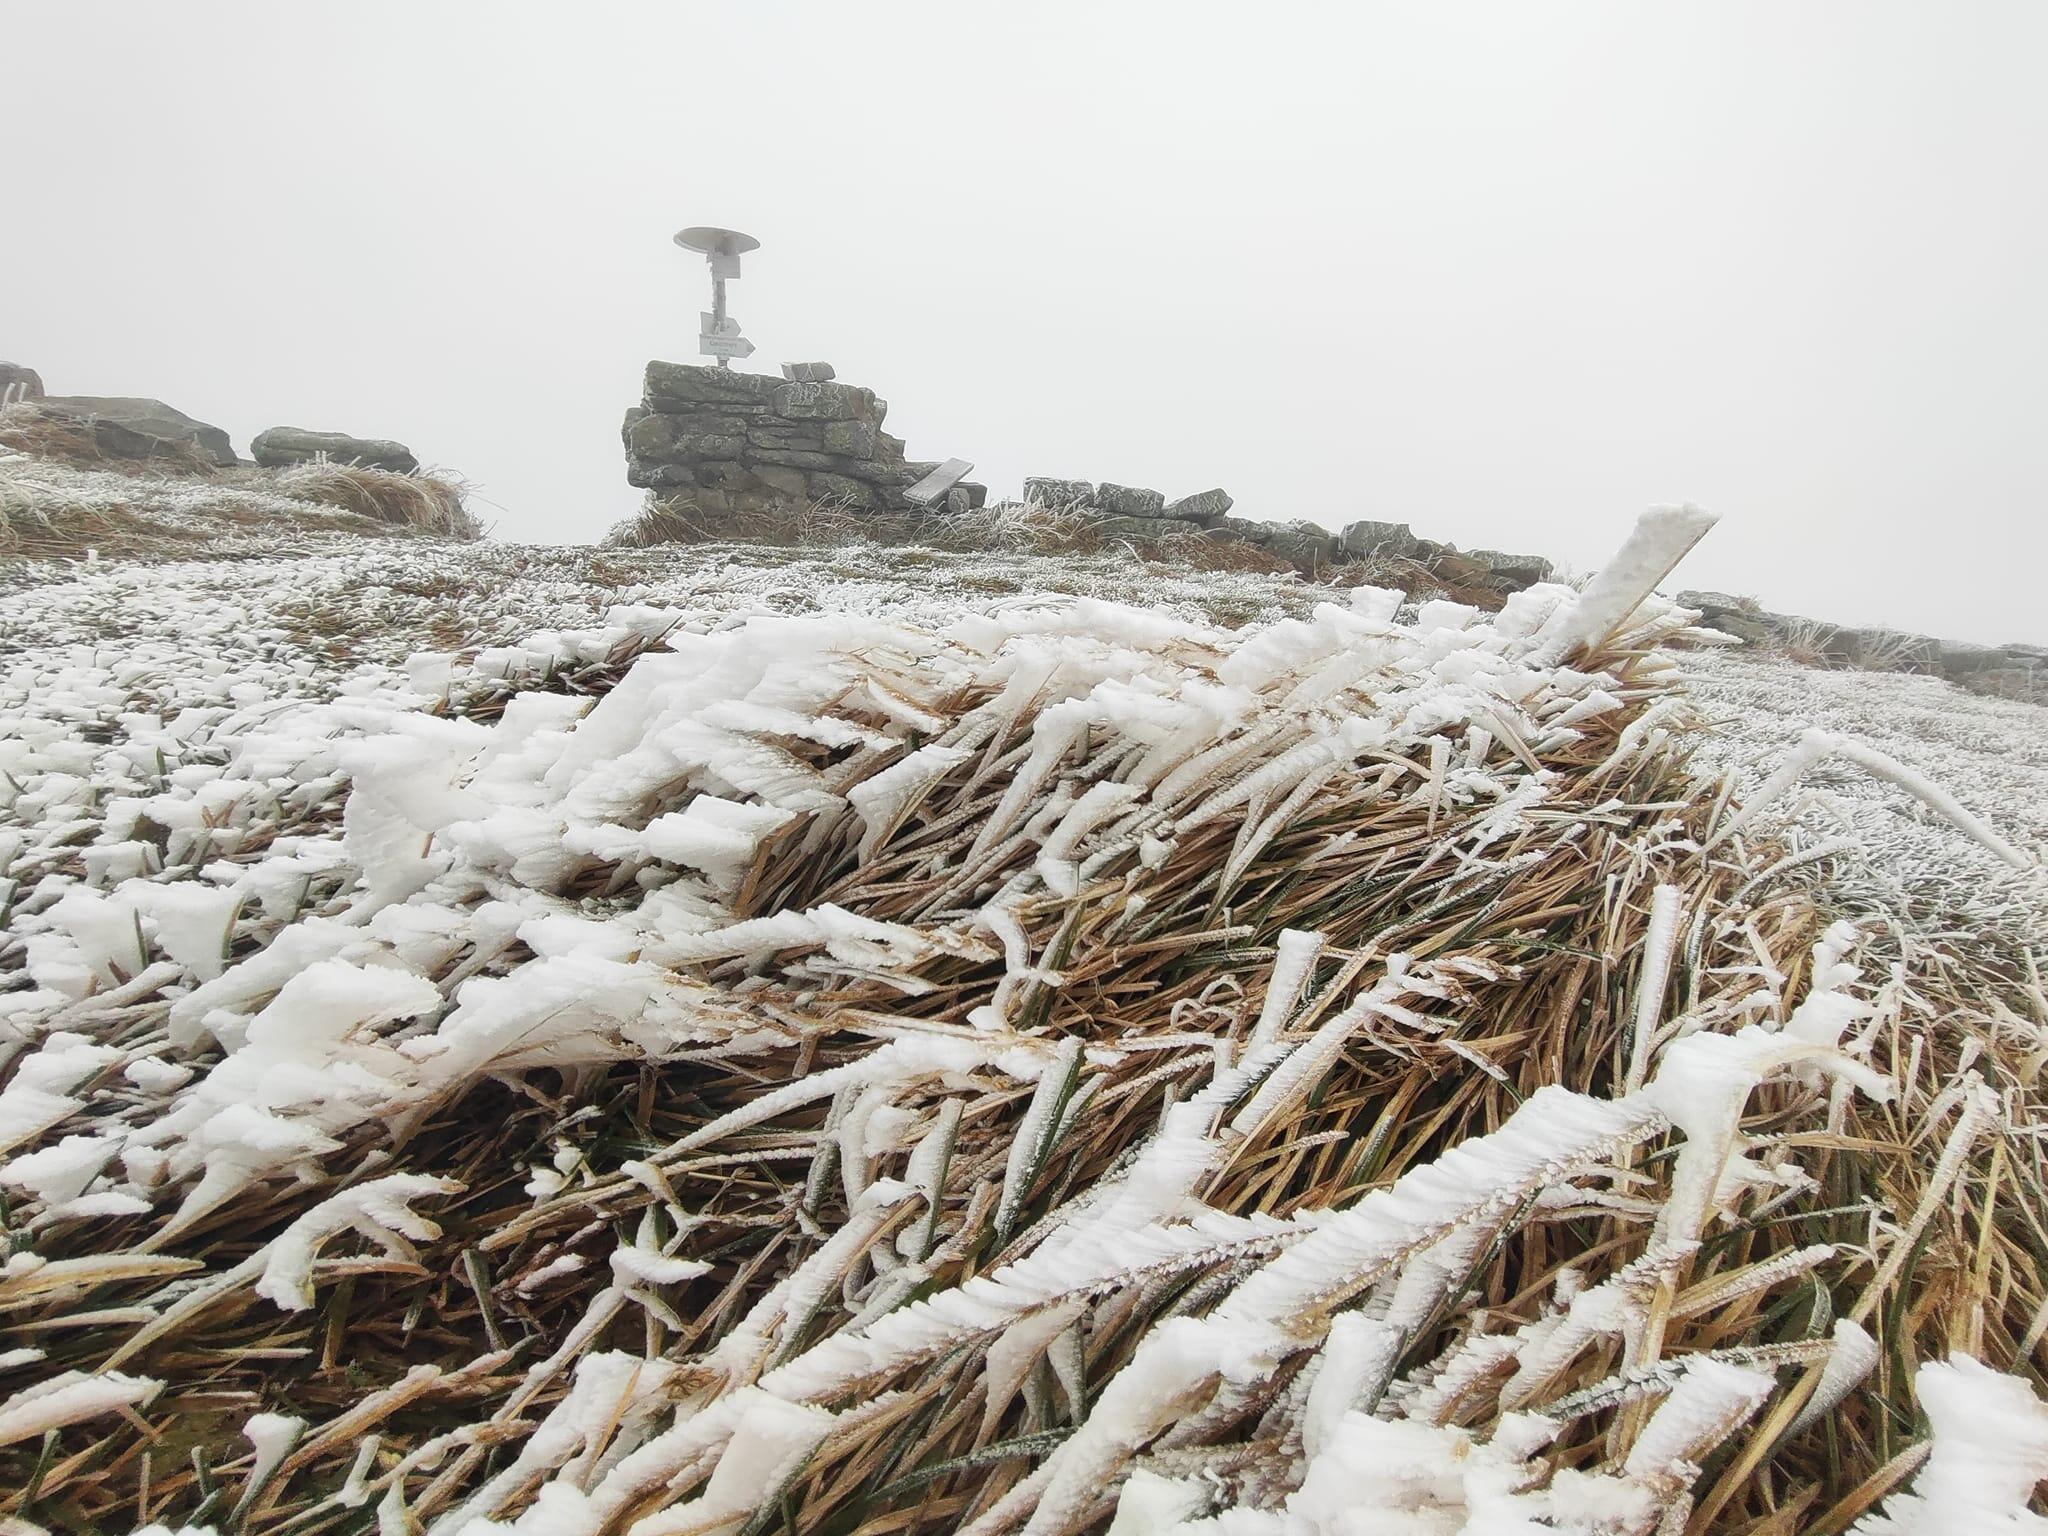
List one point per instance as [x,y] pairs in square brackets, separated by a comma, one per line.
[933,487]
[719,335]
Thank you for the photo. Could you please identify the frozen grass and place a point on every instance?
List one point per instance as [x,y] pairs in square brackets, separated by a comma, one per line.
[777,1050]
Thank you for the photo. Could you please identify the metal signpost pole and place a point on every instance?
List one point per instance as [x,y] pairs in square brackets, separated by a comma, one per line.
[719,336]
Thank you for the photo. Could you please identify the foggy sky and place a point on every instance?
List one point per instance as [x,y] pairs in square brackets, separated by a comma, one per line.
[1505,272]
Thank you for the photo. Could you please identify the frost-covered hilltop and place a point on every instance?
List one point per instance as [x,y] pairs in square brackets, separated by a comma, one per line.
[716,1039]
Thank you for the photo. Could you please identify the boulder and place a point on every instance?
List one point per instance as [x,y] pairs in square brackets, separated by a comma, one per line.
[131,428]
[1048,491]
[1202,507]
[1394,541]
[1129,500]
[277,446]
[808,373]
[19,383]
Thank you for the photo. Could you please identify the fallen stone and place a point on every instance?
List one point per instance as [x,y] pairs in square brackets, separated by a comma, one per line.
[1202,507]
[275,447]
[1129,500]
[975,492]
[1047,491]
[808,373]
[698,386]
[131,428]
[959,501]
[18,382]
[1395,541]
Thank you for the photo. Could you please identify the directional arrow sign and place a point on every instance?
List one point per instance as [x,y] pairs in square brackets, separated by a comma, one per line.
[725,346]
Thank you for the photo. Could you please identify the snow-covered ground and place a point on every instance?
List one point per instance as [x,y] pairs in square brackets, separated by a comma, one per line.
[365,816]
[83,648]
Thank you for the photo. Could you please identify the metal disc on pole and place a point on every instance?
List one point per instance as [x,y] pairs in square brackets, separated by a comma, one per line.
[719,336]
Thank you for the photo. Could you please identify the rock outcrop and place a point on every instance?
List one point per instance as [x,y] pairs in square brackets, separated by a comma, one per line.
[18,382]
[131,428]
[736,443]
[276,447]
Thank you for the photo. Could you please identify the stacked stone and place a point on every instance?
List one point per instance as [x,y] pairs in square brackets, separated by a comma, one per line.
[1145,516]
[739,443]
[1473,567]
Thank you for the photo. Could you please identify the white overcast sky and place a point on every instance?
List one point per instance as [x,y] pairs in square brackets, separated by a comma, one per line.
[1506,272]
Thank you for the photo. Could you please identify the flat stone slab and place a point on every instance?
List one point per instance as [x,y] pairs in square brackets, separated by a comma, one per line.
[1202,507]
[808,373]
[934,487]
[698,386]
[129,427]
[279,446]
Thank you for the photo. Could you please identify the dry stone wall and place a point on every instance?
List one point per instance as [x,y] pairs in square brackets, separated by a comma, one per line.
[732,444]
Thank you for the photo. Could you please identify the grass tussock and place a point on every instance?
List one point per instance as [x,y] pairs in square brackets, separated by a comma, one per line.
[422,503]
